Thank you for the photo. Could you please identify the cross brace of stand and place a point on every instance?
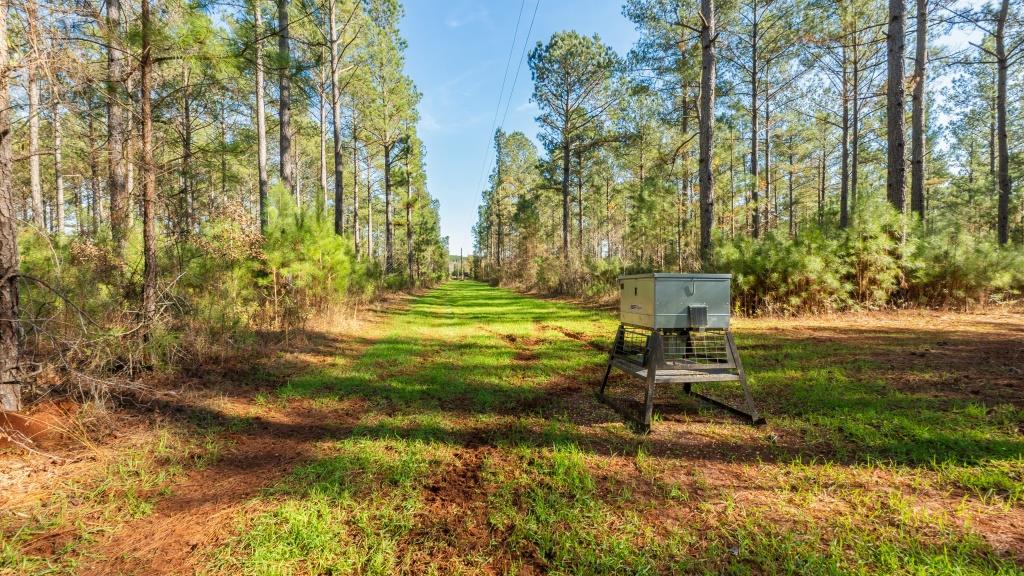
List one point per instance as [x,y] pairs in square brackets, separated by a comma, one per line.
[692,358]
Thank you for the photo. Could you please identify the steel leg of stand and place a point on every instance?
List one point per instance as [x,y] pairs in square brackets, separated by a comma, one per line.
[656,353]
[752,412]
[619,335]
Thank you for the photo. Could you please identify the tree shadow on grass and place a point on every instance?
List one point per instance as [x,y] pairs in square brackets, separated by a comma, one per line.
[467,387]
[820,387]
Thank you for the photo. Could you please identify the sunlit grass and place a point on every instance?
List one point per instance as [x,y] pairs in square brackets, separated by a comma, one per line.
[344,513]
[468,365]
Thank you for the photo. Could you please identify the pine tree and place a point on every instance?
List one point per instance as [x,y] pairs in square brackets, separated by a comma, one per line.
[571,75]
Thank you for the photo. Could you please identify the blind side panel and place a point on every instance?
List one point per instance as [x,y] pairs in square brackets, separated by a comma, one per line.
[636,302]
[675,295]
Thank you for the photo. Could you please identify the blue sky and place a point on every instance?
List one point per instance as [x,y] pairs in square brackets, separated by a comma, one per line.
[457,54]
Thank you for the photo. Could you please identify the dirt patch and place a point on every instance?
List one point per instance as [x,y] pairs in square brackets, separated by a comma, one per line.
[525,356]
[46,426]
[195,517]
[259,439]
[525,346]
[577,336]
[1004,531]
[454,515]
[51,543]
[454,534]
[978,357]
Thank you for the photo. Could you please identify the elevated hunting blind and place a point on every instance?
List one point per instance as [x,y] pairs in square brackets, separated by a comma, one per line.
[675,330]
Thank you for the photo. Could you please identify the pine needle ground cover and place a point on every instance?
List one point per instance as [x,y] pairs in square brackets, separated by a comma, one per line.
[460,434]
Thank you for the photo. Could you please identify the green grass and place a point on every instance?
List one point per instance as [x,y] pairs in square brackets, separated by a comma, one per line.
[470,366]
[860,418]
[344,513]
[548,503]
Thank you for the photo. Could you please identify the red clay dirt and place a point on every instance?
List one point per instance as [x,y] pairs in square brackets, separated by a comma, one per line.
[197,516]
[43,427]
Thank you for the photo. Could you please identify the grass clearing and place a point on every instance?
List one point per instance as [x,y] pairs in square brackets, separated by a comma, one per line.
[464,437]
[343,513]
[852,475]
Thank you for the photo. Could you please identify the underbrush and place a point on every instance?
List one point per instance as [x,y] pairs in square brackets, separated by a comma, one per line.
[882,260]
[873,264]
[219,289]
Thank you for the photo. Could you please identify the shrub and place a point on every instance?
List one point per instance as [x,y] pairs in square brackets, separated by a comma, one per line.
[957,268]
[306,267]
[871,252]
[80,302]
[601,276]
[779,275]
[878,261]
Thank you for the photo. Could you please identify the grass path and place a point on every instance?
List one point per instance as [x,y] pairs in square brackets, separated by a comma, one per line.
[461,435]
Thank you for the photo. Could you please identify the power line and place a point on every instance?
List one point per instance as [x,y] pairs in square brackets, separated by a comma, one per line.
[515,79]
[501,92]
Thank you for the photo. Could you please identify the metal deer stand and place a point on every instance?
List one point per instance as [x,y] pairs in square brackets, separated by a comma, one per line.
[675,330]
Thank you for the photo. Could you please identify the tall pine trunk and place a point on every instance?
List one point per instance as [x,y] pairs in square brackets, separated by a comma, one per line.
[992,128]
[369,209]
[497,208]
[579,203]
[410,252]
[767,165]
[261,118]
[339,181]
[755,182]
[917,146]
[355,185]
[821,186]
[565,199]
[855,132]
[792,204]
[35,178]
[322,106]
[148,170]
[896,173]
[285,102]
[117,136]
[389,240]
[58,162]
[844,182]
[10,332]
[1003,161]
[707,127]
